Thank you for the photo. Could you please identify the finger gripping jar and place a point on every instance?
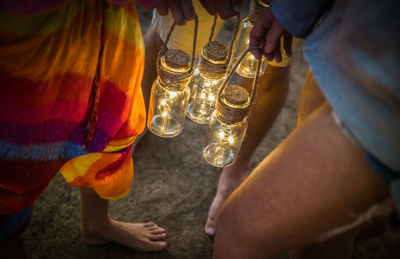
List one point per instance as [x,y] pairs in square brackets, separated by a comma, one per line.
[247,67]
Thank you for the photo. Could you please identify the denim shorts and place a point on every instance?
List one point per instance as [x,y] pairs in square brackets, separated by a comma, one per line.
[386,174]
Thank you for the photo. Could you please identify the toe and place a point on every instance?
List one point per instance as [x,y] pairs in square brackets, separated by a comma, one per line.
[155,246]
[156,237]
[149,224]
[161,245]
[209,230]
[157,230]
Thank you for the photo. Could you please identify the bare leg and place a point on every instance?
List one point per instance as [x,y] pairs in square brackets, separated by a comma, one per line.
[271,94]
[304,188]
[152,43]
[97,228]
[340,246]
[311,98]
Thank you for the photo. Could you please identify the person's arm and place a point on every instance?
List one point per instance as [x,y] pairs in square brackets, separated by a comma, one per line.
[225,8]
[283,19]
[182,10]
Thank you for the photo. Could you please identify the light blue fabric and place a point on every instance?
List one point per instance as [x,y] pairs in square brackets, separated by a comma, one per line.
[355,56]
[299,17]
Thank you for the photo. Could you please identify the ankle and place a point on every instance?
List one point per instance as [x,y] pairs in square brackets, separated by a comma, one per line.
[93,231]
[237,170]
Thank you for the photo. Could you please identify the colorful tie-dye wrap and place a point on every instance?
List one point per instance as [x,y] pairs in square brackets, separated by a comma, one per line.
[47,68]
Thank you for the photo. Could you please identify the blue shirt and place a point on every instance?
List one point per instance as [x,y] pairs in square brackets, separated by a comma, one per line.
[353,48]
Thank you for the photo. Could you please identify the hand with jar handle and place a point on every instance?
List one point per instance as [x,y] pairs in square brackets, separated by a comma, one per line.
[182,10]
[225,8]
[267,32]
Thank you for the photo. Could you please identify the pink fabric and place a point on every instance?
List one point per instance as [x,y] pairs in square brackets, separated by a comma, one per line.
[31,7]
[148,4]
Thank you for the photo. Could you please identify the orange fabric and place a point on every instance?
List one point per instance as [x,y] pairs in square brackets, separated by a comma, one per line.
[47,67]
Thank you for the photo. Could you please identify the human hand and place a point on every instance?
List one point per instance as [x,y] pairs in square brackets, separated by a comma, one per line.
[181,10]
[225,8]
[267,33]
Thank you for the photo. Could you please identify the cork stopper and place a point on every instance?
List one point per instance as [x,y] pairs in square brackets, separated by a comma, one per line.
[212,60]
[176,58]
[174,68]
[236,95]
[216,51]
[233,105]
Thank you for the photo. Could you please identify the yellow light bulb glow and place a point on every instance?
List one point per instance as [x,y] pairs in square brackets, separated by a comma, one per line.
[203,97]
[226,137]
[172,94]
[223,141]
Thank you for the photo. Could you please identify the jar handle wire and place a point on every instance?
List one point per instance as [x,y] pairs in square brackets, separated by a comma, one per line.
[255,81]
[233,40]
[164,48]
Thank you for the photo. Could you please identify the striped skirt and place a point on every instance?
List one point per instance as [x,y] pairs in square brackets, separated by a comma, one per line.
[70,100]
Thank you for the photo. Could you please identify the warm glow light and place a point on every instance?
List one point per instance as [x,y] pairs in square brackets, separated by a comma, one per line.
[164,114]
[163,102]
[231,140]
[221,134]
[172,94]
[211,97]
[202,95]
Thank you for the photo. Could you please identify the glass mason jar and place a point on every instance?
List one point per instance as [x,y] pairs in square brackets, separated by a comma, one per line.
[206,80]
[223,141]
[248,66]
[227,128]
[169,95]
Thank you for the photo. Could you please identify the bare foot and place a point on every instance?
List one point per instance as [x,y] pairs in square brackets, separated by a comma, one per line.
[143,237]
[229,180]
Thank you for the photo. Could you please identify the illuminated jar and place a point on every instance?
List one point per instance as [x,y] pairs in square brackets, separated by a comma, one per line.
[247,67]
[206,80]
[227,127]
[170,94]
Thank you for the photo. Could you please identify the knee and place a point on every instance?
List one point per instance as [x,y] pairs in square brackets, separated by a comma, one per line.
[234,237]
[227,240]
[238,237]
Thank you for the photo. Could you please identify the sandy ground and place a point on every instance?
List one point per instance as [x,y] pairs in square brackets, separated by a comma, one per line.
[173,187]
